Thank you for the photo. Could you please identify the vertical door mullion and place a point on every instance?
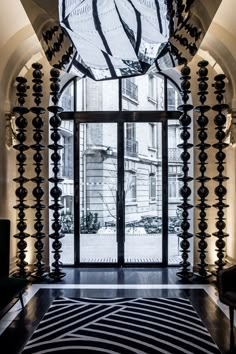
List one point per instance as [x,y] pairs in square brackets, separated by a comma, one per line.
[120,194]
[77,192]
[165,192]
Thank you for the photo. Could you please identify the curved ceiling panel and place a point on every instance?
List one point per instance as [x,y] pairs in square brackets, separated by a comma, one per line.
[107,39]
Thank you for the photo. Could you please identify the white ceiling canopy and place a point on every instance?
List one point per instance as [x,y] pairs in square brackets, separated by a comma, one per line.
[108,39]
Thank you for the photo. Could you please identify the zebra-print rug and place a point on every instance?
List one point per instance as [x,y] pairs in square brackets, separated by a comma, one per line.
[121,325]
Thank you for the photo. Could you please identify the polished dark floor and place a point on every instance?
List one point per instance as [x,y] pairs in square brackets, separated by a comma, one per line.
[20,330]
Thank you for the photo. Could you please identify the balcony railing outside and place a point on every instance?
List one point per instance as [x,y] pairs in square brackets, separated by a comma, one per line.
[131,147]
[130,89]
[174,154]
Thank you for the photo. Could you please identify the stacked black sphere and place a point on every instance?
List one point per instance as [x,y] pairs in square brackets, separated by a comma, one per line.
[185,190]
[21,192]
[202,191]
[54,41]
[220,190]
[188,5]
[170,15]
[55,191]
[38,192]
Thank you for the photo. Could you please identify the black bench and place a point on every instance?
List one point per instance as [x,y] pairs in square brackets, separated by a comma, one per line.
[11,288]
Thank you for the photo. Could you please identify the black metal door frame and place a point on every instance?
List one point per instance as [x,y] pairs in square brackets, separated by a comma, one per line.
[121,117]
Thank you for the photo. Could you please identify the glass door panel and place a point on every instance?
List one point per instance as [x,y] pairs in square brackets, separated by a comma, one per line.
[143,192]
[67,187]
[174,199]
[98,190]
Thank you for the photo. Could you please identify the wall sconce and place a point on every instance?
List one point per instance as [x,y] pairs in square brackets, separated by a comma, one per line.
[11,134]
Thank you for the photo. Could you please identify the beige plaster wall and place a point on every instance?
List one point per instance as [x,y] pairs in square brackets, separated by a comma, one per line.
[231,200]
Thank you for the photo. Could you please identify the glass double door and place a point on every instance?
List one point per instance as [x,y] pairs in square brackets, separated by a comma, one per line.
[120,202]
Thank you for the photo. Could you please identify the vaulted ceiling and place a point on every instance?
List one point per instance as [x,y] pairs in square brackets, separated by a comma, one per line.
[18,42]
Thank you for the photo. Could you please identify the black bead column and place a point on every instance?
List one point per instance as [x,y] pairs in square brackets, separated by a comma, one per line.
[21,192]
[56,192]
[220,190]
[185,190]
[170,16]
[202,191]
[54,43]
[39,235]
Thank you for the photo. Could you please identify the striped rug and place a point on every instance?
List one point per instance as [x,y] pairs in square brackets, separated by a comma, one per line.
[121,325]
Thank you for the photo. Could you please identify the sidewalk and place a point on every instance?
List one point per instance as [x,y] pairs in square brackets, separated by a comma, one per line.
[102,248]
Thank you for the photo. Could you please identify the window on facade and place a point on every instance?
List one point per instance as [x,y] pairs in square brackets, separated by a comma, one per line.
[152,88]
[152,135]
[160,89]
[172,136]
[152,188]
[173,141]
[175,169]
[67,156]
[131,187]
[130,131]
[68,204]
[130,141]
[173,97]
[129,88]
[67,99]
[173,190]
[173,182]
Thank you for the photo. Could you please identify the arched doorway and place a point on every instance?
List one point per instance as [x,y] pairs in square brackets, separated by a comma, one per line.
[120,166]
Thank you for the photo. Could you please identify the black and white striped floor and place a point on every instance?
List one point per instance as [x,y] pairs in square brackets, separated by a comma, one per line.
[113,283]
